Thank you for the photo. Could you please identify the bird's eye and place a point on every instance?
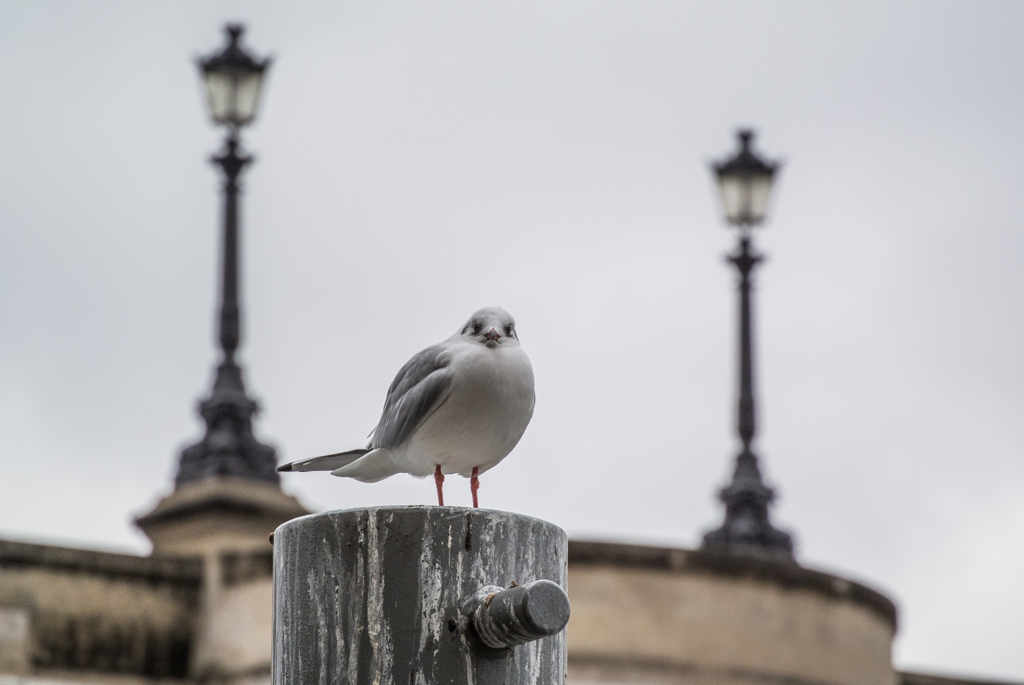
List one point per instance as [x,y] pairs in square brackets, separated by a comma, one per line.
[476,327]
[508,329]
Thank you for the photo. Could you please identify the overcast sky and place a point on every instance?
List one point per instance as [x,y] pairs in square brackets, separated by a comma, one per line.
[418,161]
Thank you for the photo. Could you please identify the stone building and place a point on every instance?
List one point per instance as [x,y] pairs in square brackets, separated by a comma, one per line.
[198,609]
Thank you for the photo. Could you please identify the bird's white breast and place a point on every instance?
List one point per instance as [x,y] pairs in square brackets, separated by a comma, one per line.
[484,415]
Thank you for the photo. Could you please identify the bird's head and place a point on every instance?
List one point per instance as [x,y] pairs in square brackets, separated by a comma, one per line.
[491,326]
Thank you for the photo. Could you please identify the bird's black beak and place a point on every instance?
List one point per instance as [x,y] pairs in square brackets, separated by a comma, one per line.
[492,335]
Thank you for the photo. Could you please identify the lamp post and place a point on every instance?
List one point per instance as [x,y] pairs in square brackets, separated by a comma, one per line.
[233,79]
[745,184]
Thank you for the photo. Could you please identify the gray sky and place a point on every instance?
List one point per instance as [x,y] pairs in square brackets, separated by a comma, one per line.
[418,161]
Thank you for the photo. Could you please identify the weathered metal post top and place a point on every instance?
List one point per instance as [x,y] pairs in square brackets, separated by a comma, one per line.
[420,596]
[745,183]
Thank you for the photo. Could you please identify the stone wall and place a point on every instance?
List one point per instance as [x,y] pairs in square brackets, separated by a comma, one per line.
[71,610]
[651,615]
[639,615]
[235,632]
[72,615]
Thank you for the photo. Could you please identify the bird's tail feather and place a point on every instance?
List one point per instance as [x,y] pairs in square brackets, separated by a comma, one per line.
[369,468]
[328,462]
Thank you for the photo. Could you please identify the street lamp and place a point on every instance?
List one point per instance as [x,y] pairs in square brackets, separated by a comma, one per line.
[745,184]
[233,79]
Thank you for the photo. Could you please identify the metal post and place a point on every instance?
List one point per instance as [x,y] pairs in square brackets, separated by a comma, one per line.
[229,447]
[745,261]
[747,527]
[419,596]
[232,164]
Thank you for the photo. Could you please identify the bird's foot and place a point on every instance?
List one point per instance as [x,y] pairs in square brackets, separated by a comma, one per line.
[474,485]
[439,482]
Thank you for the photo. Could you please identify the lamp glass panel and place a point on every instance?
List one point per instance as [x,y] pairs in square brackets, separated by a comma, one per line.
[220,94]
[247,95]
[734,192]
[760,189]
[233,95]
[745,197]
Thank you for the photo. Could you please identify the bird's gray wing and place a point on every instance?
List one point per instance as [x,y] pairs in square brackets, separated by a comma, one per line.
[418,389]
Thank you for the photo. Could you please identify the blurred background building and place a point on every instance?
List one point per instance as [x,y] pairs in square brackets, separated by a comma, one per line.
[199,608]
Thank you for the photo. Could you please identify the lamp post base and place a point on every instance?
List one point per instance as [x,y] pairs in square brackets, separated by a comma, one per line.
[747,529]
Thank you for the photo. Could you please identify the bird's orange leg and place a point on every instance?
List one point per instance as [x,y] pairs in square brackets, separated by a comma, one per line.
[439,482]
[474,485]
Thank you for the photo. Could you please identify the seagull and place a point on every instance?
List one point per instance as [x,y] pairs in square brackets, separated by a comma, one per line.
[459,406]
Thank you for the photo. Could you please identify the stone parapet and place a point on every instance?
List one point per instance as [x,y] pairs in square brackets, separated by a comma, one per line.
[80,611]
[659,615]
